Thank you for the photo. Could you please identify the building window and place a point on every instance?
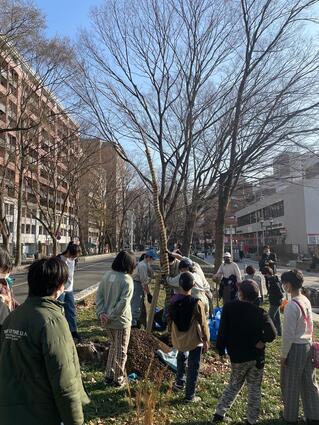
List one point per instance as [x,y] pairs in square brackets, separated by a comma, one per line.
[23,228]
[11,226]
[272,211]
[11,209]
[34,229]
[27,229]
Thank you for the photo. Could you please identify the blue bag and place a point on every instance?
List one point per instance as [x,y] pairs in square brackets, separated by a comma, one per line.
[214,323]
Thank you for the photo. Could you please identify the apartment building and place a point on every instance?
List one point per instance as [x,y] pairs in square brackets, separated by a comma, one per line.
[39,156]
[99,192]
[284,212]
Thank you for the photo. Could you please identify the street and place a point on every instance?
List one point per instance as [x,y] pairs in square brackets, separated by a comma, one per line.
[85,276]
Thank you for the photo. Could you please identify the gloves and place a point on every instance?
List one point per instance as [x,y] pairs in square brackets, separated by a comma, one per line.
[149,298]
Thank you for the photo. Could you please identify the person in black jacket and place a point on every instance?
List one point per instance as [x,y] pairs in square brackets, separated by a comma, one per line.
[244,330]
[275,295]
[268,259]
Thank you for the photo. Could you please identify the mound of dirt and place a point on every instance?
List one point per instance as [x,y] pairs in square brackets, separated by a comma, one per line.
[142,358]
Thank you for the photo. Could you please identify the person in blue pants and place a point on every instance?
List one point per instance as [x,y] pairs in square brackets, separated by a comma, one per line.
[69,256]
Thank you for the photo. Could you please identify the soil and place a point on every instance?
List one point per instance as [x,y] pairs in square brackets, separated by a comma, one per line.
[142,358]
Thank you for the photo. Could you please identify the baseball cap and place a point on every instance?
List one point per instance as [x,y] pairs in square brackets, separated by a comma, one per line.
[152,254]
[227,255]
[185,263]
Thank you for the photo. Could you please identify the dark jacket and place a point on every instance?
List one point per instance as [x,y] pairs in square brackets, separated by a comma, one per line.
[275,293]
[40,379]
[242,325]
[268,260]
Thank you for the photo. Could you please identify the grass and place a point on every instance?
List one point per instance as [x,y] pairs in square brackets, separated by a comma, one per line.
[120,407]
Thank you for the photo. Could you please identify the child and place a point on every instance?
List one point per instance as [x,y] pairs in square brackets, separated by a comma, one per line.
[275,296]
[251,275]
[244,330]
[7,301]
[189,330]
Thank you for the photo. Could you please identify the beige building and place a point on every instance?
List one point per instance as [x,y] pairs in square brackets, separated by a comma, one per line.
[99,197]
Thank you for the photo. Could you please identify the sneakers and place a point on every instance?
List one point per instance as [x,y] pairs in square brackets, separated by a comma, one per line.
[178,387]
[217,418]
[195,399]
[110,383]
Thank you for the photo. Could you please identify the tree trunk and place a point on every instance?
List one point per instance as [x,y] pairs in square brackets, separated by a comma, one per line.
[3,225]
[54,245]
[163,241]
[223,201]
[190,221]
[18,255]
[82,244]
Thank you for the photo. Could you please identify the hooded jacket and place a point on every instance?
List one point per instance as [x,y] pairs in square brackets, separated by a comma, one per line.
[40,379]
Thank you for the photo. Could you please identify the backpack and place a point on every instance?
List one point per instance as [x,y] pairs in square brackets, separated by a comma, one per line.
[315,345]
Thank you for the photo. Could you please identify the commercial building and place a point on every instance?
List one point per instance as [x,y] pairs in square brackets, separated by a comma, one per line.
[284,212]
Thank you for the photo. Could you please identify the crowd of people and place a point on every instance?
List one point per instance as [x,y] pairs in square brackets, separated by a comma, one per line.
[40,379]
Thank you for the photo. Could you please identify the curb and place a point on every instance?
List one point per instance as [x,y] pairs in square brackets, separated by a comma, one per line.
[80,296]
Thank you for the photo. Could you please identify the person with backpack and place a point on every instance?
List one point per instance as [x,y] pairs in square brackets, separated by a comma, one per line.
[244,331]
[40,379]
[7,300]
[70,256]
[275,296]
[230,276]
[298,374]
[190,336]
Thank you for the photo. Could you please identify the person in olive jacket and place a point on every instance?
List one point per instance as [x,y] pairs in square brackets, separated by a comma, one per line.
[40,379]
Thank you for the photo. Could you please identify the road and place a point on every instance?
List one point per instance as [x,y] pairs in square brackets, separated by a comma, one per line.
[85,276]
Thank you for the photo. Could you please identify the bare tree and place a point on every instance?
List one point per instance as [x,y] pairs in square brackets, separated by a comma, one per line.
[52,183]
[275,74]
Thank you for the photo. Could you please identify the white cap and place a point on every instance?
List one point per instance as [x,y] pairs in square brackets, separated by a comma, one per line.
[227,255]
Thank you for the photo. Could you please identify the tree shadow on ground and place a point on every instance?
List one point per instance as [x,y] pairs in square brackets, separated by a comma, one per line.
[111,405]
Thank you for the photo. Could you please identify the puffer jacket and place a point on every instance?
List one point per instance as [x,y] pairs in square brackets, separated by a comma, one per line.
[40,379]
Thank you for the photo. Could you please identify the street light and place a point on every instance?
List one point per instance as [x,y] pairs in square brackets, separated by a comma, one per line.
[271,220]
[262,230]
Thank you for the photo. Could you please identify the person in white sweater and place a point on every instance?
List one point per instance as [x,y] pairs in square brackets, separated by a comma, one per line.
[298,376]
[201,289]
[230,276]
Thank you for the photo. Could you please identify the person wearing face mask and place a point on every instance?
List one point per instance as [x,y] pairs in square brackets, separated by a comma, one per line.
[7,301]
[70,256]
[230,276]
[298,375]
[268,259]
[40,380]
[244,331]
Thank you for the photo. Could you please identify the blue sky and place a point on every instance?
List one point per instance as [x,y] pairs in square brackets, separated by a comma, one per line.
[64,17]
